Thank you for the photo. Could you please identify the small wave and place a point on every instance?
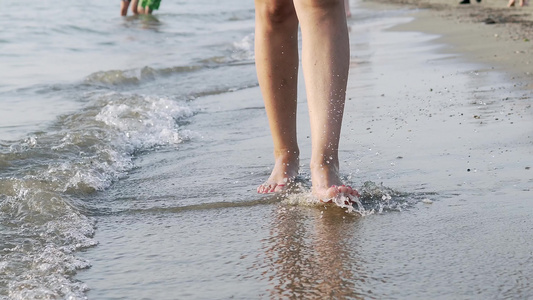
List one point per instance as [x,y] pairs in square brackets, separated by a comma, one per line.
[244,49]
[75,29]
[239,52]
[44,179]
[200,207]
[135,76]
[147,71]
[113,77]
[37,259]
[143,122]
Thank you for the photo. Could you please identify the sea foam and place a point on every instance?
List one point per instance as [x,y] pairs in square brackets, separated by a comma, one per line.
[48,174]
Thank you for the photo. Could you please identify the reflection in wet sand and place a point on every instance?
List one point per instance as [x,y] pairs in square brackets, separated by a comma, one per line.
[148,22]
[311,254]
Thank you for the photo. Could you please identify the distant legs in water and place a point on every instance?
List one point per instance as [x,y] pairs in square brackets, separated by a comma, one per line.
[325,61]
[143,7]
[124,5]
[512,3]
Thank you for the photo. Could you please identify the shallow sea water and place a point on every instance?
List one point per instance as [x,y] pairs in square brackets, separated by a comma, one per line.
[139,180]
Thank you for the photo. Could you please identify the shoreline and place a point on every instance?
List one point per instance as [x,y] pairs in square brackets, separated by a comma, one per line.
[435,160]
[488,32]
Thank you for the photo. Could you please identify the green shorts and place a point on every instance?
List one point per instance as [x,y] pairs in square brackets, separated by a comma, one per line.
[151,4]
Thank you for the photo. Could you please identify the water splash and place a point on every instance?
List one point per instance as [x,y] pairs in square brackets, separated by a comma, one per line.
[374,199]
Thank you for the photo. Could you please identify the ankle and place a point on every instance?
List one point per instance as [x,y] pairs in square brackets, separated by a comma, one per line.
[329,162]
[287,155]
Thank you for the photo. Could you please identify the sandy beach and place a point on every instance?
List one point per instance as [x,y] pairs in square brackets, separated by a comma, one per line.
[142,185]
[488,31]
[436,137]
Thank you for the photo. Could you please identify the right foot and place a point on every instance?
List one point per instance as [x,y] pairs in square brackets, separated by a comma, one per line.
[284,172]
[327,184]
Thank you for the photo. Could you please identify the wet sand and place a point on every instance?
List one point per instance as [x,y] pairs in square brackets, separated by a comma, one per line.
[436,136]
[487,32]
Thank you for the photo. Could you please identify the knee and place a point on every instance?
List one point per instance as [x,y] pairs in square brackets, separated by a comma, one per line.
[275,12]
[321,4]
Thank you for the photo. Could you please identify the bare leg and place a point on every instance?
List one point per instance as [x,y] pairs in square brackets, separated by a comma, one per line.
[124,7]
[276,56]
[141,10]
[325,61]
[134,7]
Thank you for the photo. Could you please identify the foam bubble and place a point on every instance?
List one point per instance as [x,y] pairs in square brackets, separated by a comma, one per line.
[244,49]
[146,122]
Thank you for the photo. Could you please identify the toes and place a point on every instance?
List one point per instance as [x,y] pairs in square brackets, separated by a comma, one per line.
[264,189]
[348,190]
[278,188]
[344,189]
[270,188]
[353,192]
[341,193]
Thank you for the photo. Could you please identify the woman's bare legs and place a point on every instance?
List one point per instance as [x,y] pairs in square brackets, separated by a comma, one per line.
[276,35]
[124,4]
[124,7]
[512,3]
[325,61]
[134,7]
